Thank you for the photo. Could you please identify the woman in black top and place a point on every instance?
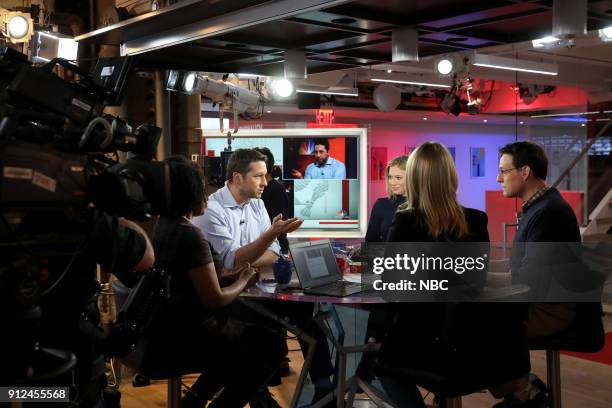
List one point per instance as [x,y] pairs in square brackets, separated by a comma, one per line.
[384,208]
[192,333]
[378,227]
[470,346]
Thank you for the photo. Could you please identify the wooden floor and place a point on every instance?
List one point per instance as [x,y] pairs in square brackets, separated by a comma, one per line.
[585,384]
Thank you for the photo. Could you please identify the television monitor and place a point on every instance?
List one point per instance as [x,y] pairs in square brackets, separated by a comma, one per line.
[323,170]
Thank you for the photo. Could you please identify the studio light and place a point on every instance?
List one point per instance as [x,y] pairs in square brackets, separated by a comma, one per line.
[552,115]
[452,104]
[328,91]
[510,64]
[605,34]
[49,45]
[452,65]
[283,88]
[186,82]
[16,26]
[189,82]
[409,82]
[444,66]
[551,42]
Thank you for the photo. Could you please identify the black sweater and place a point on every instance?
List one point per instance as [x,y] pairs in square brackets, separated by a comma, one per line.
[276,202]
[548,219]
[381,218]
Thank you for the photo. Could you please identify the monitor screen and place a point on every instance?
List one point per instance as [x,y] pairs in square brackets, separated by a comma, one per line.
[324,172]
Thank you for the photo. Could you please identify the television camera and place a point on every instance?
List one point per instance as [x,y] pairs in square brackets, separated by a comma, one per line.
[59,165]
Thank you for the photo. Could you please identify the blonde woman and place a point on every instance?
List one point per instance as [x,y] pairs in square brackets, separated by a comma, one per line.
[384,208]
[470,346]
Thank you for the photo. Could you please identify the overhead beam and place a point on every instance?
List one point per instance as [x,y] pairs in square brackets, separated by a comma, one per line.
[224,24]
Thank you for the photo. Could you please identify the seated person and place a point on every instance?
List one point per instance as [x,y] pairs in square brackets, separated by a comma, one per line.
[325,166]
[275,197]
[459,342]
[192,332]
[379,223]
[237,225]
[545,217]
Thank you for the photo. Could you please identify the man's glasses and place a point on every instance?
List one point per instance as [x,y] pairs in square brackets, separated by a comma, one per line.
[505,171]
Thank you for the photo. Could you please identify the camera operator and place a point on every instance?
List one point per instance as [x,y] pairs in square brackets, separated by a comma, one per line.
[53,165]
[69,318]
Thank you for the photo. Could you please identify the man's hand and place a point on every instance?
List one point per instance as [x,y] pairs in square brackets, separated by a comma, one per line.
[280,226]
[297,174]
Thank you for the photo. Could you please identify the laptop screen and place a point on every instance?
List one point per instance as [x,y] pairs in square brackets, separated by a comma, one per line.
[315,263]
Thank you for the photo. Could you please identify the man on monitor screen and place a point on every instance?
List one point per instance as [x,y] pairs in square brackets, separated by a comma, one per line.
[325,166]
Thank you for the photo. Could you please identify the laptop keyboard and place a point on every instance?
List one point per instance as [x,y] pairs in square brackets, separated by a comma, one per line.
[341,288]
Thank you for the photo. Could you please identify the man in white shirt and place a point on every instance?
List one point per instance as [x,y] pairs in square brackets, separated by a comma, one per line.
[236,222]
[237,225]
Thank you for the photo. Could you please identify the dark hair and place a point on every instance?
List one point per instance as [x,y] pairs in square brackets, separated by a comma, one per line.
[324,142]
[240,162]
[528,154]
[269,158]
[186,186]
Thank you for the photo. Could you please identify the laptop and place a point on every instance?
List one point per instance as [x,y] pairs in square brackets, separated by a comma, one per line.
[318,272]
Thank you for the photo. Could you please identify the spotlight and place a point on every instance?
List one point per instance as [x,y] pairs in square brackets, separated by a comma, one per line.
[605,34]
[451,103]
[529,92]
[49,45]
[452,65]
[189,82]
[186,82]
[16,26]
[444,66]
[551,42]
[283,88]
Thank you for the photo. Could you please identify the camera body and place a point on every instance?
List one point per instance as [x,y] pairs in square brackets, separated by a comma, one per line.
[58,172]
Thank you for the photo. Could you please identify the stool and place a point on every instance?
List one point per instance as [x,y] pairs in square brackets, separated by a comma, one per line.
[135,359]
[443,387]
[585,335]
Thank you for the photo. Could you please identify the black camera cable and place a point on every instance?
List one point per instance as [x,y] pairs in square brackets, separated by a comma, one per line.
[40,256]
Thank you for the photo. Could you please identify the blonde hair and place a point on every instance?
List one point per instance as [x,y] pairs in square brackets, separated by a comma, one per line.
[431,188]
[399,161]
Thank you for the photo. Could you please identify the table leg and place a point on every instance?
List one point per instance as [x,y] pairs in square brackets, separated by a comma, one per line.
[312,343]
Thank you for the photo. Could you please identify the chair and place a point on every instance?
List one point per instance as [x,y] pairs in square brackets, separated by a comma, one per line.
[439,386]
[585,335]
[136,361]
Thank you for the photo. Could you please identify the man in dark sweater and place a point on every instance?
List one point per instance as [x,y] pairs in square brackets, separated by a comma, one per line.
[545,217]
[275,197]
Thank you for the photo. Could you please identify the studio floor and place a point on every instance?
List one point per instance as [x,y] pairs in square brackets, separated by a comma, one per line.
[585,383]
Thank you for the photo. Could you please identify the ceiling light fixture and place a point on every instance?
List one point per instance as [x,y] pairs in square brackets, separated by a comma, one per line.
[49,45]
[605,34]
[330,91]
[453,65]
[492,61]
[552,115]
[16,26]
[248,76]
[444,66]
[550,42]
[398,81]
[282,88]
